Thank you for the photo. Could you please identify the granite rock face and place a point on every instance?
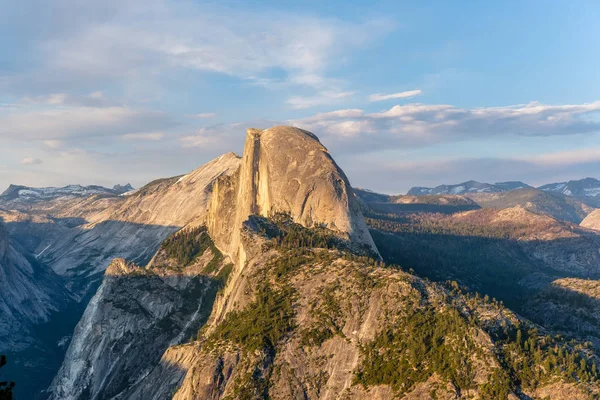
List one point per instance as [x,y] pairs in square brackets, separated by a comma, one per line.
[285,170]
[135,315]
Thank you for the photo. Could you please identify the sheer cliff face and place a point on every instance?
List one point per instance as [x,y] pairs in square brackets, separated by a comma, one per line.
[3,241]
[286,170]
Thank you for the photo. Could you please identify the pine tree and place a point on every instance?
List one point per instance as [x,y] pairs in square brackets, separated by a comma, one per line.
[6,388]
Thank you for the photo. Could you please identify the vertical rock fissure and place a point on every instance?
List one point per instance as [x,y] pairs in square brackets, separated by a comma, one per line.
[254,208]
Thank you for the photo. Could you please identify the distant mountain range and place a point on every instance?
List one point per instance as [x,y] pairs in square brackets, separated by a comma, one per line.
[18,192]
[586,190]
[468,187]
[587,187]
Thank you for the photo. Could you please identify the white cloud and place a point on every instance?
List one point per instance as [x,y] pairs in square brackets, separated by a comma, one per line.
[31,161]
[401,95]
[322,99]
[424,124]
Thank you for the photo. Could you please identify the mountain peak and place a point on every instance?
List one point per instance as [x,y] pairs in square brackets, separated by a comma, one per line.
[120,189]
[286,170]
[586,189]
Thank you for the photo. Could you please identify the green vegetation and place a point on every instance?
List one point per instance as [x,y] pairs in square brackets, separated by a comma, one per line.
[223,275]
[471,225]
[420,345]
[6,388]
[213,264]
[184,246]
[262,324]
[533,359]
[432,341]
[287,234]
[326,310]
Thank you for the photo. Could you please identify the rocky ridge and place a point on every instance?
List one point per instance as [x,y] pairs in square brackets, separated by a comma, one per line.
[306,313]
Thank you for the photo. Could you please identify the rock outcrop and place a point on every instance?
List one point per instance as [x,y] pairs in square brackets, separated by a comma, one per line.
[285,170]
[592,221]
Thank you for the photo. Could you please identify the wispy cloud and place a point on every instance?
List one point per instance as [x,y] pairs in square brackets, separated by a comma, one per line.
[31,161]
[102,42]
[401,95]
[93,99]
[223,137]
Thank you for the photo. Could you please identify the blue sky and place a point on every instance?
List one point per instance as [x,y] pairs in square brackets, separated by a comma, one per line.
[403,93]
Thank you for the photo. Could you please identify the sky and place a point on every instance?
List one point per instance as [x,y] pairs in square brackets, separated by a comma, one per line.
[402,93]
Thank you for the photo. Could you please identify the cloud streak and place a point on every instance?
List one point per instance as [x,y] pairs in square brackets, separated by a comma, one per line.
[401,95]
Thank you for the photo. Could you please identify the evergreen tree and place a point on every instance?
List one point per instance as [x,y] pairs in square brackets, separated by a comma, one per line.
[6,388]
